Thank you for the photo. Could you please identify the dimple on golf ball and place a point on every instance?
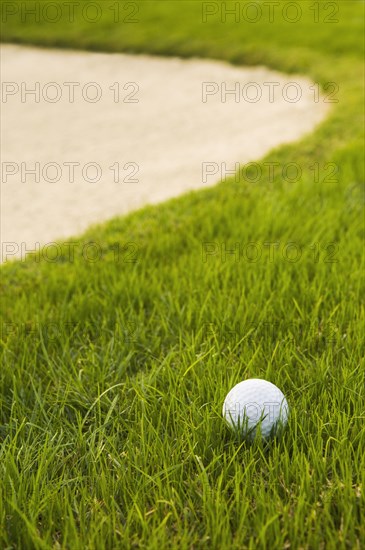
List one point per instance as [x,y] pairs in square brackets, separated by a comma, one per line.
[256,404]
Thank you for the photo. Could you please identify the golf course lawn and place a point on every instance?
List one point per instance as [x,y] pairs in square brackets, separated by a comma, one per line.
[115,368]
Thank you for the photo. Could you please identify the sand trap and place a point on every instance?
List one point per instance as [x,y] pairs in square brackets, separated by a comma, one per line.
[159,133]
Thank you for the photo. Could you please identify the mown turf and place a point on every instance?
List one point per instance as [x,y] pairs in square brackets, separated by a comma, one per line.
[114,371]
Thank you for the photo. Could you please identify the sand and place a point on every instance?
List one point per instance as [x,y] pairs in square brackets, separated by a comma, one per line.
[157,130]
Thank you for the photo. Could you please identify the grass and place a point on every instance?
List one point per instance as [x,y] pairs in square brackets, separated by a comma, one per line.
[114,371]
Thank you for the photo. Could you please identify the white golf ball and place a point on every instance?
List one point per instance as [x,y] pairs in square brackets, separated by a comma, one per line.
[254,403]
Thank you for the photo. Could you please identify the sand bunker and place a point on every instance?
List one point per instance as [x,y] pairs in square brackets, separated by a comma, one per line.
[87,136]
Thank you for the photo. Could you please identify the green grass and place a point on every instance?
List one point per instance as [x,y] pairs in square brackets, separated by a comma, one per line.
[114,372]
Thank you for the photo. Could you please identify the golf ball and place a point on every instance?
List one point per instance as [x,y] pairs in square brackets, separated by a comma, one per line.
[253,403]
